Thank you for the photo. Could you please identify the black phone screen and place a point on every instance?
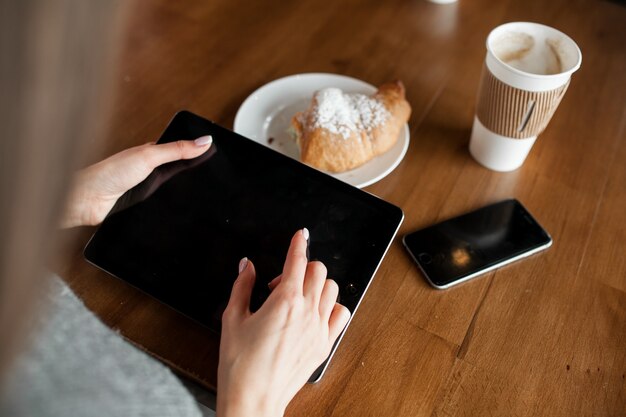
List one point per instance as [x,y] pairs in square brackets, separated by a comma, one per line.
[460,248]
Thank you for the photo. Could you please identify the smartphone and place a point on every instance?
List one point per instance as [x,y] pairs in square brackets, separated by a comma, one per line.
[464,247]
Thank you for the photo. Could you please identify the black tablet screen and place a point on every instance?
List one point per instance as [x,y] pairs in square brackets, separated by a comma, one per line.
[180,234]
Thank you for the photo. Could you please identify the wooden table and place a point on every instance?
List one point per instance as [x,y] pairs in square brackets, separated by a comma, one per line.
[546,336]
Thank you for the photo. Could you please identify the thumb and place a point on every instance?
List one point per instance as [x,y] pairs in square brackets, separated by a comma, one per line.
[239,302]
[159,154]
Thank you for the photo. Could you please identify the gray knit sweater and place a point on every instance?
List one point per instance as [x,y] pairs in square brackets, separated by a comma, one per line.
[78,367]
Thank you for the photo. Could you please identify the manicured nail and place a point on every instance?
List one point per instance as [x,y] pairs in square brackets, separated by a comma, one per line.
[242,264]
[305,233]
[204,140]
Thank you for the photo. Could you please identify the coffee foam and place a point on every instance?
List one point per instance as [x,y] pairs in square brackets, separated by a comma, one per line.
[524,52]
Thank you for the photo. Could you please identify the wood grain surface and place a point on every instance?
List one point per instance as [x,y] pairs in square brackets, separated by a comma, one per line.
[546,336]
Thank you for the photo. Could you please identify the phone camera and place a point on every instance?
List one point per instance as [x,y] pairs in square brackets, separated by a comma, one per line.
[425,258]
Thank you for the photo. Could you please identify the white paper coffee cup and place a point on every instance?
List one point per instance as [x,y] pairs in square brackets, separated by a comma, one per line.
[526,73]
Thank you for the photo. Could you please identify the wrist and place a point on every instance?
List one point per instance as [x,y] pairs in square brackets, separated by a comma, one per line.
[78,206]
[244,406]
[74,211]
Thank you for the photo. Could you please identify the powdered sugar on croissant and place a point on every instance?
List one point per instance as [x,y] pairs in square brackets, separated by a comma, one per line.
[341,131]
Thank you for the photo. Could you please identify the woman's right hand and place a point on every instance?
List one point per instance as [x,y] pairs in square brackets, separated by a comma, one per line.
[267,356]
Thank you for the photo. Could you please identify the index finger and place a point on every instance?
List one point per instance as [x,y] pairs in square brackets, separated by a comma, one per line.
[296,261]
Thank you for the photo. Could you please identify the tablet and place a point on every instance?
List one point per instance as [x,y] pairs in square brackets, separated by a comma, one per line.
[179,235]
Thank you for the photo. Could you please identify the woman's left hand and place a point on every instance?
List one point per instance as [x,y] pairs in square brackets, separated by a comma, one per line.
[97,187]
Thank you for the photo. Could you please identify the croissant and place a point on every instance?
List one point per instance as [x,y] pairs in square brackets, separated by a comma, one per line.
[340,131]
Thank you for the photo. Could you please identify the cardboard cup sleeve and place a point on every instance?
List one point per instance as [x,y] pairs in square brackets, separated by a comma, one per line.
[515,113]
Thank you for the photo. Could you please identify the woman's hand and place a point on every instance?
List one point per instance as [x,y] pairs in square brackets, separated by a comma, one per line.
[97,187]
[267,356]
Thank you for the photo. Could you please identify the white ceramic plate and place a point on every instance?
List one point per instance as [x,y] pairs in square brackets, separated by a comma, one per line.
[267,113]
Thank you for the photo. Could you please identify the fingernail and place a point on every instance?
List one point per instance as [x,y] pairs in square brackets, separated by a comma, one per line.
[204,140]
[305,233]
[242,264]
